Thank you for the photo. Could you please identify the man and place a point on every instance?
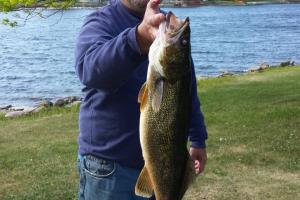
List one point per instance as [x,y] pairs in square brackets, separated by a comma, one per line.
[111,62]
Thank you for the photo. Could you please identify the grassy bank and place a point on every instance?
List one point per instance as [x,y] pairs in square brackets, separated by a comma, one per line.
[254,143]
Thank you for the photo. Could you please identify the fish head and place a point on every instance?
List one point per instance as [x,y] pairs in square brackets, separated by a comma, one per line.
[174,48]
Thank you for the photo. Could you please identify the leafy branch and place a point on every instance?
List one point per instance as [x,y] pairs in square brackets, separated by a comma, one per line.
[32,8]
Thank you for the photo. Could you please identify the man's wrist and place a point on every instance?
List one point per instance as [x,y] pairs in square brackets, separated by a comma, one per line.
[198,144]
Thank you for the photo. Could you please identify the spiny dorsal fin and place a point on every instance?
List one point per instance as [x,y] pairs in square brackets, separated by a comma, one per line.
[141,92]
[143,186]
[143,95]
[157,95]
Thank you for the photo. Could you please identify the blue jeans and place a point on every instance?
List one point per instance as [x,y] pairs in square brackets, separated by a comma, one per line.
[101,179]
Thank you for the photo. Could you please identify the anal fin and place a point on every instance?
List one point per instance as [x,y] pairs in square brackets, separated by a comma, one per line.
[143,185]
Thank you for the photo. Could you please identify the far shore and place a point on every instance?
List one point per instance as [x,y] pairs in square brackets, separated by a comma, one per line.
[216,3]
[69,101]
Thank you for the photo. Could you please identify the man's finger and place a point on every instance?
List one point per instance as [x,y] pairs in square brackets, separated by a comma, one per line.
[154,4]
[157,19]
[197,166]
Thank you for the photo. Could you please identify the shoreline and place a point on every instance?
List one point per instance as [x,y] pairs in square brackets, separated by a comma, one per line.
[9,110]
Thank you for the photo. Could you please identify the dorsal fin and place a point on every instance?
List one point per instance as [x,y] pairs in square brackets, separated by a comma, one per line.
[141,92]
[143,95]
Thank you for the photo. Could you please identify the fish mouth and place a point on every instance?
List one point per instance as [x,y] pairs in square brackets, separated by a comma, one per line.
[175,27]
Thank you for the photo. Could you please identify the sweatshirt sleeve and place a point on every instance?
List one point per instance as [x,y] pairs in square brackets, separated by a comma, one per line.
[104,60]
[197,130]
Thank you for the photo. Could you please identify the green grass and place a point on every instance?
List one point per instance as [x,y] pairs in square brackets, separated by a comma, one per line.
[253,147]
[38,155]
[254,136]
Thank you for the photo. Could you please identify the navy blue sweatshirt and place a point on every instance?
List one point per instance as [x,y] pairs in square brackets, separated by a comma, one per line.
[112,69]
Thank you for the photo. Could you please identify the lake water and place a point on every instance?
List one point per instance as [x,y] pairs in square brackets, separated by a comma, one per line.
[37,59]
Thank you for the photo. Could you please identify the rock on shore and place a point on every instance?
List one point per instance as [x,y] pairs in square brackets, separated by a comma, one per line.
[10,111]
[264,66]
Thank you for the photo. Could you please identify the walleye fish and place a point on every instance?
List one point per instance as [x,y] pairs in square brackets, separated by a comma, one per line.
[165,103]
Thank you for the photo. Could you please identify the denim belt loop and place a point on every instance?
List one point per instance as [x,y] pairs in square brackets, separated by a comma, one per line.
[81,157]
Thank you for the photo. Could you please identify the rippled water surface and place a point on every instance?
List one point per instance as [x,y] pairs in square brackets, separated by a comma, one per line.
[37,59]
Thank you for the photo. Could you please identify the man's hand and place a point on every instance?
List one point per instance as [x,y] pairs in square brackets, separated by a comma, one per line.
[199,157]
[147,30]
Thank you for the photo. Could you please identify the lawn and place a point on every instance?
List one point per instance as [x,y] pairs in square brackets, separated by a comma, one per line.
[253,122]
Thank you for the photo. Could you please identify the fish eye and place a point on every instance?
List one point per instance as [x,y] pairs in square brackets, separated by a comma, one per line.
[184,42]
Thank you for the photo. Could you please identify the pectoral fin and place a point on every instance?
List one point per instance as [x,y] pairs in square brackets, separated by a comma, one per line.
[143,95]
[157,95]
[143,185]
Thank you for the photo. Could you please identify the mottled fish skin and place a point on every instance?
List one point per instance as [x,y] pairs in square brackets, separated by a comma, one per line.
[164,131]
